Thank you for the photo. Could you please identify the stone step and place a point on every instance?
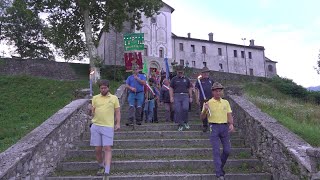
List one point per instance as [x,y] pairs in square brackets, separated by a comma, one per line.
[168,176]
[159,135]
[162,126]
[154,165]
[162,143]
[159,153]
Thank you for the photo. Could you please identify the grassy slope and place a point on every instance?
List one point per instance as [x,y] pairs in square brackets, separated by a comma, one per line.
[300,117]
[26,102]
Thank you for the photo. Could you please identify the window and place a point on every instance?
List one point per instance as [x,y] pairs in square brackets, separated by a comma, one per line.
[220,65]
[219,51]
[193,63]
[205,64]
[235,53]
[204,50]
[161,52]
[182,62]
[242,54]
[251,72]
[146,50]
[193,49]
[270,68]
[181,46]
[250,55]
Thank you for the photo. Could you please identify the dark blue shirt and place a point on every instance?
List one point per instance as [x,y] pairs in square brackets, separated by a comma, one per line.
[134,83]
[206,85]
[180,84]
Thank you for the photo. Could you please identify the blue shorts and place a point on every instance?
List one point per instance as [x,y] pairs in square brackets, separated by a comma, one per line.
[101,135]
[139,97]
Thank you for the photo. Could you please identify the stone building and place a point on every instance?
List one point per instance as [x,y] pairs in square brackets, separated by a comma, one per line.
[160,42]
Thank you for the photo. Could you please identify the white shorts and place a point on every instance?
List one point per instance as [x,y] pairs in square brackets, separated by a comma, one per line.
[101,135]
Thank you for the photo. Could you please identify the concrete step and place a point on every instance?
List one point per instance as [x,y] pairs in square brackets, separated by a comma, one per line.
[161,126]
[162,143]
[159,153]
[159,135]
[168,176]
[154,165]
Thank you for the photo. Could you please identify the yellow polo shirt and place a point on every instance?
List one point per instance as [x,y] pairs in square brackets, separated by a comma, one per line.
[104,109]
[219,110]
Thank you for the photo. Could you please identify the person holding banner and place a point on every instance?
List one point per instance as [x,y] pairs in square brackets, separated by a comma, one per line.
[181,96]
[151,96]
[203,92]
[165,99]
[221,123]
[134,84]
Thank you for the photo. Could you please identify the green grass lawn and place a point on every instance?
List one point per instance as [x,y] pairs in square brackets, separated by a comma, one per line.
[300,117]
[26,102]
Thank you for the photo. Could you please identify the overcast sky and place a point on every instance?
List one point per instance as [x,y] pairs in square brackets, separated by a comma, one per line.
[288,29]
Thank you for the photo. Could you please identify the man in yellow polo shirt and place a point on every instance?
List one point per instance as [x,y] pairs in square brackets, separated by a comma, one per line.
[105,107]
[220,119]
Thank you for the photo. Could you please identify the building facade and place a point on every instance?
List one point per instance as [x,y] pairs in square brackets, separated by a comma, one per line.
[161,43]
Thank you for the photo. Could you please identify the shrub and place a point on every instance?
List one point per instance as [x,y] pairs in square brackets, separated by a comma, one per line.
[287,86]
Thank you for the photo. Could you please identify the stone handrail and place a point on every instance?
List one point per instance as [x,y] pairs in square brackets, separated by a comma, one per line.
[282,152]
[121,93]
[38,153]
[314,154]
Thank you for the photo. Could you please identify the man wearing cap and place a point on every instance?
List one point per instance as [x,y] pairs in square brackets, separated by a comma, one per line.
[206,94]
[180,96]
[220,121]
[134,84]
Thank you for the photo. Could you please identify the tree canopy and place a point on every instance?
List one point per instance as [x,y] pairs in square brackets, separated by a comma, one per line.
[23,28]
[72,26]
[318,63]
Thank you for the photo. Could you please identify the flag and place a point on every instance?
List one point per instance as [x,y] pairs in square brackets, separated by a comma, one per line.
[145,67]
[150,89]
[167,67]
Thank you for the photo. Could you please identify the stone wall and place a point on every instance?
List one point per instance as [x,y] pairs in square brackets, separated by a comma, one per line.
[38,153]
[222,77]
[282,152]
[37,67]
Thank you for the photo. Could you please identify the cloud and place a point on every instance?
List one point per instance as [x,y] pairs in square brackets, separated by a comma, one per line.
[294,48]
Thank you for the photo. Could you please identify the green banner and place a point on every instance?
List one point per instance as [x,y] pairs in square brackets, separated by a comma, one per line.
[133,41]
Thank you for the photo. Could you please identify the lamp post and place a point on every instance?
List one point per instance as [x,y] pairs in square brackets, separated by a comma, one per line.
[244,49]
[90,81]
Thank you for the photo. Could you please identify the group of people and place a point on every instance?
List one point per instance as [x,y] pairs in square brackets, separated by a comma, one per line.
[175,95]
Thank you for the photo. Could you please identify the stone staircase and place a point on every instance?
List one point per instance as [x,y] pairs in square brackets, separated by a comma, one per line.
[157,151]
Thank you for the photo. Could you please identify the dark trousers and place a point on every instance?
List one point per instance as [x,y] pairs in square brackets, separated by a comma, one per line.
[204,121]
[169,112]
[181,107]
[134,113]
[155,111]
[220,132]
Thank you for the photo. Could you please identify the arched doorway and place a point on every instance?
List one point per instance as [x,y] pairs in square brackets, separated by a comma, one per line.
[154,66]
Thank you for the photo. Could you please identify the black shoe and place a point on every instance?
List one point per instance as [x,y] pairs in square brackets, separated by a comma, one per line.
[129,124]
[138,123]
[205,129]
[156,121]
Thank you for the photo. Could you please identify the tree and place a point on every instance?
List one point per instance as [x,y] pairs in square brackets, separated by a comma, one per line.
[23,28]
[74,25]
[318,68]
[4,4]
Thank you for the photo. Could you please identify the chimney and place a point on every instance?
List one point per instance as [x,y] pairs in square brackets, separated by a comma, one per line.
[210,36]
[189,35]
[251,42]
